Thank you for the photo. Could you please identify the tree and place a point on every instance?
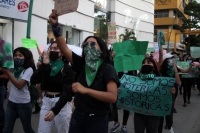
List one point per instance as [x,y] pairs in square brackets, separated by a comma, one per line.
[128,35]
[192,10]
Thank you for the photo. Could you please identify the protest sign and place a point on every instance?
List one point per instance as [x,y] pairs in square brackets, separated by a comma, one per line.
[65,6]
[149,97]
[156,47]
[29,43]
[183,64]
[149,50]
[129,55]
[112,32]
[156,55]
[195,52]
[6,55]
[194,72]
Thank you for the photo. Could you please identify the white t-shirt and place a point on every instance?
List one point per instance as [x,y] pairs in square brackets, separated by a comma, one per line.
[21,95]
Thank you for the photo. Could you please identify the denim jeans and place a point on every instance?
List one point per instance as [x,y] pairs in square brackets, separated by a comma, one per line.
[15,110]
[2,112]
[85,123]
[142,122]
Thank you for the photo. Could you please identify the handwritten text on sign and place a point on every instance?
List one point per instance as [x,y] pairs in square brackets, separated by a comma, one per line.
[112,32]
[66,6]
[149,97]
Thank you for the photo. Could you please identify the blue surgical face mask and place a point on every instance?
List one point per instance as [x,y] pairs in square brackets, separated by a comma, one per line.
[171,62]
[177,59]
[18,62]
[190,61]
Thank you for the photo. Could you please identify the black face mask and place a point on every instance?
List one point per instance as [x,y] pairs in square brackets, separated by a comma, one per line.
[54,55]
[146,69]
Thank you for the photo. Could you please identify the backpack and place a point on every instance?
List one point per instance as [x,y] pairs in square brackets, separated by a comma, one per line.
[34,93]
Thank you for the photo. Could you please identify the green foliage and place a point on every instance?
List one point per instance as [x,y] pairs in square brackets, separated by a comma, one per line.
[192,10]
[128,35]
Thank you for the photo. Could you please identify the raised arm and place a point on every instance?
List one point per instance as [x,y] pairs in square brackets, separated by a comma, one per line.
[58,35]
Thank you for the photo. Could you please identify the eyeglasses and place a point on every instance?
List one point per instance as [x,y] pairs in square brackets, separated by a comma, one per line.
[92,44]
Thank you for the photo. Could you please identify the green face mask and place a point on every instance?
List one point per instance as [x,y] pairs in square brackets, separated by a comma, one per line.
[93,61]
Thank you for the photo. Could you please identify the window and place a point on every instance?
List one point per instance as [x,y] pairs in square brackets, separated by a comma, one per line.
[162,14]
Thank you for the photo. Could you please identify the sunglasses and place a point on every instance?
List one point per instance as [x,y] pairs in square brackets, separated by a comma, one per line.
[92,44]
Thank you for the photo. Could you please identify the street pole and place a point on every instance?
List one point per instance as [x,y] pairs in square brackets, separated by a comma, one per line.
[28,32]
[13,31]
[171,33]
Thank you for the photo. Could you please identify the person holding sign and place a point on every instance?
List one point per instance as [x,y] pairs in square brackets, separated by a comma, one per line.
[97,82]
[55,78]
[148,72]
[19,104]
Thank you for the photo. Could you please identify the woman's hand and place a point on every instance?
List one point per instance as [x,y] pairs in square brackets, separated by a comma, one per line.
[173,90]
[77,87]
[113,54]
[46,58]
[5,70]
[53,17]
[49,116]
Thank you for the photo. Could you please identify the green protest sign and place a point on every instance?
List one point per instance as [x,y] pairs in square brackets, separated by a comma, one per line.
[195,52]
[129,55]
[149,50]
[6,55]
[29,43]
[183,64]
[149,97]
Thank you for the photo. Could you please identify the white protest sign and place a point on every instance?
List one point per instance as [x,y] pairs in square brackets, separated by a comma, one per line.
[156,47]
[112,32]
[15,9]
[65,6]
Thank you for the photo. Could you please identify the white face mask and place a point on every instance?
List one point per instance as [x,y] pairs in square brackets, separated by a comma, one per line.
[190,61]
[171,62]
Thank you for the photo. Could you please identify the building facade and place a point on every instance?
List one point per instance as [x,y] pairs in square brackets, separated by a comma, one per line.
[169,16]
[87,20]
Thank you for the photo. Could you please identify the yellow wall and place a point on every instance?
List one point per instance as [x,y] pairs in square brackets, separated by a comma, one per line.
[167,21]
[172,38]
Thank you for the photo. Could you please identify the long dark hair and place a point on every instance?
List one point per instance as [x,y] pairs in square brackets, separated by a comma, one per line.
[164,68]
[149,59]
[28,57]
[105,55]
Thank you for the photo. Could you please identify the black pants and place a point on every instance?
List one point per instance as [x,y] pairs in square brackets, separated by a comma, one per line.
[142,122]
[168,118]
[187,85]
[125,115]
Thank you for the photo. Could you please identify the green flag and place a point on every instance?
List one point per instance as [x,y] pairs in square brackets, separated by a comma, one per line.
[6,55]
[129,55]
[161,38]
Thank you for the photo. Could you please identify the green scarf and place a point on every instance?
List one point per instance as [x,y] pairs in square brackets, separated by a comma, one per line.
[56,67]
[170,71]
[93,61]
[147,76]
[17,71]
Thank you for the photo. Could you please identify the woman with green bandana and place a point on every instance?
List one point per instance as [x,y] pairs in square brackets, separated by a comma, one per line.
[19,104]
[96,85]
[170,69]
[56,78]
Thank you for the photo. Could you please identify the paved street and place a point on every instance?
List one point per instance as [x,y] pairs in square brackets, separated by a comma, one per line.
[187,120]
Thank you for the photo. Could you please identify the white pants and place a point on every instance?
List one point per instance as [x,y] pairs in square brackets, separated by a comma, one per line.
[61,120]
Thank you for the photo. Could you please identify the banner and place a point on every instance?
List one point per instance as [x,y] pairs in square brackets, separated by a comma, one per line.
[16,9]
[6,55]
[29,43]
[129,55]
[112,32]
[65,6]
[195,52]
[149,97]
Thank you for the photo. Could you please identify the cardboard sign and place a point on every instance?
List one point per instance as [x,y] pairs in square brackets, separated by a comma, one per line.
[29,43]
[149,97]
[183,64]
[65,6]
[195,52]
[6,55]
[112,32]
[129,55]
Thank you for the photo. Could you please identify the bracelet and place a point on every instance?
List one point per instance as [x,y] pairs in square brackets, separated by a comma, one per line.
[56,30]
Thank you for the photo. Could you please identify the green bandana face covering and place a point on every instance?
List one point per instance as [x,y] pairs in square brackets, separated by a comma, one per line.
[56,67]
[17,71]
[147,76]
[170,71]
[93,61]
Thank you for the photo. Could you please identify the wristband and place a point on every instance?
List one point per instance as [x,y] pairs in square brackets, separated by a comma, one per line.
[56,30]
